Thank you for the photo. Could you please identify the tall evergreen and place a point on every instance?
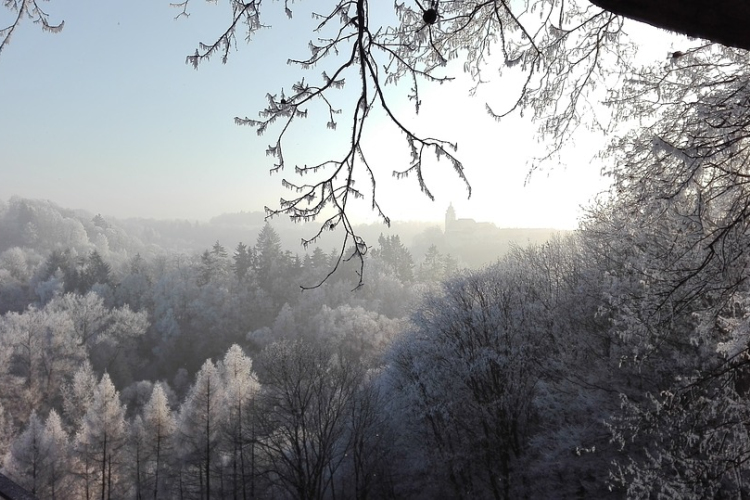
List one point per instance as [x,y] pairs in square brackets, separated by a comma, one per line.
[269,255]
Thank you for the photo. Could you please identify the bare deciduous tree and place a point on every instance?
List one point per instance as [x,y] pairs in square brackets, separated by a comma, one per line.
[306,396]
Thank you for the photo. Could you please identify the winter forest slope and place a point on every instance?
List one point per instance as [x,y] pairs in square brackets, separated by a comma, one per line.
[606,363]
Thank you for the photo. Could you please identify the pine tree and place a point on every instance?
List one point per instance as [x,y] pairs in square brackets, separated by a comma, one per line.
[243,261]
[95,271]
[208,266]
[219,251]
[268,253]
[432,268]
[396,257]
[39,459]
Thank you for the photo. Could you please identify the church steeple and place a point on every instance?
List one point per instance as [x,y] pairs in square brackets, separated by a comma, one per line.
[450,217]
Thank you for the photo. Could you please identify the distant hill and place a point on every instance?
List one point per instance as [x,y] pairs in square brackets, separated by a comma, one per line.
[44,226]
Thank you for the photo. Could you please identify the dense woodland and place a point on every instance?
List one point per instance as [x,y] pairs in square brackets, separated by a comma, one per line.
[610,362]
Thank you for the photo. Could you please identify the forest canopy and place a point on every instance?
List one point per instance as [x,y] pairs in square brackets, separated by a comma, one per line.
[610,363]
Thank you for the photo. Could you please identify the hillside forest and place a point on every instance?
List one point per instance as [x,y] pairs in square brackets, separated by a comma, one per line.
[609,362]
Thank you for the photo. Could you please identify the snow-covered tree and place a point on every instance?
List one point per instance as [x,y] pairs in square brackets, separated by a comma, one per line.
[677,303]
[43,355]
[93,322]
[100,443]
[24,463]
[6,430]
[268,256]
[357,332]
[197,435]
[305,398]
[79,394]
[238,436]
[157,428]
[59,482]
[466,374]
[107,335]
[39,458]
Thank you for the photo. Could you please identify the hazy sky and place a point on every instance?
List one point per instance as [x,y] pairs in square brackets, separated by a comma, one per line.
[106,116]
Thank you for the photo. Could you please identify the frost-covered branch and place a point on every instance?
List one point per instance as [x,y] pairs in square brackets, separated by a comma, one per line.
[562,46]
[26,9]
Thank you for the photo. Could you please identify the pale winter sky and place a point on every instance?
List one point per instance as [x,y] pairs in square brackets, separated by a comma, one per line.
[106,116]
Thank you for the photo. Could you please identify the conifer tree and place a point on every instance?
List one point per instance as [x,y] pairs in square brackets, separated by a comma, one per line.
[25,461]
[101,439]
[56,445]
[197,435]
[238,428]
[243,261]
[158,427]
[268,254]
[79,394]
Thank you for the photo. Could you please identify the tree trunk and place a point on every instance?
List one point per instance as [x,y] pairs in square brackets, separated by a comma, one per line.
[158,465]
[104,467]
[208,445]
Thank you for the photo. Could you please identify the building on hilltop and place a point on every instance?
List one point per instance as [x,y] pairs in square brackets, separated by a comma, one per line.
[481,243]
[465,228]
[450,217]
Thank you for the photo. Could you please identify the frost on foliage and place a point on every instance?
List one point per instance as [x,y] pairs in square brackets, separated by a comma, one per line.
[39,458]
[564,50]
[78,394]
[692,444]
[157,429]
[198,429]
[737,328]
[100,441]
[467,373]
[24,461]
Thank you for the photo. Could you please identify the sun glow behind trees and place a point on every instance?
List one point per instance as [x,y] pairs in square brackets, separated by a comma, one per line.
[133,134]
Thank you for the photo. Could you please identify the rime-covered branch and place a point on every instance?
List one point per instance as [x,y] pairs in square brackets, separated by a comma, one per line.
[564,48]
[26,9]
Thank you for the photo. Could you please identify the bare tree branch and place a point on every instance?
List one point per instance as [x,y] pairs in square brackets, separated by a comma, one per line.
[29,9]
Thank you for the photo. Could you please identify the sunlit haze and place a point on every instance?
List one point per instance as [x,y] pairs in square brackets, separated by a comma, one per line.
[106,116]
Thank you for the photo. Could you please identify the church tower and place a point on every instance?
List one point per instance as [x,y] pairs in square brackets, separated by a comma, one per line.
[450,218]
